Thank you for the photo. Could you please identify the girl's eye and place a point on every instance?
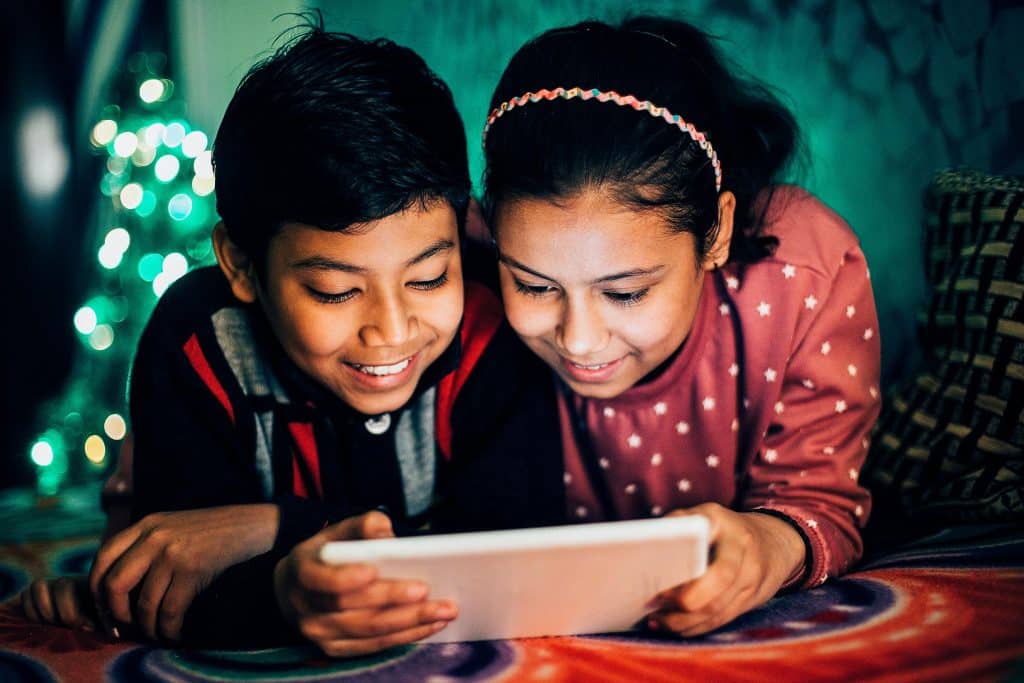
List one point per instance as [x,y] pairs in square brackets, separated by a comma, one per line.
[327,298]
[427,285]
[628,298]
[533,290]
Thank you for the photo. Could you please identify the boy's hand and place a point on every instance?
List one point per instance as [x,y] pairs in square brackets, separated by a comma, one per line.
[752,556]
[346,610]
[163,561]
[64,601]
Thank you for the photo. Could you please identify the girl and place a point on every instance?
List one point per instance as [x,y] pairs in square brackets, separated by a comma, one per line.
[712,333]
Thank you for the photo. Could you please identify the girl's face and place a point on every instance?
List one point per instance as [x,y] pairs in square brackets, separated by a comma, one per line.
[604,294]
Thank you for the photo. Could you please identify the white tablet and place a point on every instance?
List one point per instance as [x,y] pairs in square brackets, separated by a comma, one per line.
[563,580]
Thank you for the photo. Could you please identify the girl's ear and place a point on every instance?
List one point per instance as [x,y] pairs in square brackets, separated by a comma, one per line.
[718,254]
[236,265]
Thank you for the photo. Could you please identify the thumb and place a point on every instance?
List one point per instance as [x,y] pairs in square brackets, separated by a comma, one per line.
[374,524]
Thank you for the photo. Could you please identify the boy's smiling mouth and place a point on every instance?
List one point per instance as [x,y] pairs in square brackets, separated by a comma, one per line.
[383,370]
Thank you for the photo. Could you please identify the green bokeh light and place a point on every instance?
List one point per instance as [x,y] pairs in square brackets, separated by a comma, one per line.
[179,207]
[147,205]
[150,266]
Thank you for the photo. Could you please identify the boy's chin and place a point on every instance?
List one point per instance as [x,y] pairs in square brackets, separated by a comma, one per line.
[385,402]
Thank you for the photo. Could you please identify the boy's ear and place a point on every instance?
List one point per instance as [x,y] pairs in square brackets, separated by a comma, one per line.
[236,265]
[718,254]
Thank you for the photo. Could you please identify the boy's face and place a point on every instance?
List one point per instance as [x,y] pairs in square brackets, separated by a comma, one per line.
[366,312]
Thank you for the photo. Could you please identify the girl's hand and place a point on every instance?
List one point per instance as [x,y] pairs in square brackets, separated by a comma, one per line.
[346,610]
[752,556]
[64,601]
[163,561]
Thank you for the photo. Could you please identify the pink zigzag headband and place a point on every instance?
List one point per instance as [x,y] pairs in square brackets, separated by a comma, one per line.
[621,100]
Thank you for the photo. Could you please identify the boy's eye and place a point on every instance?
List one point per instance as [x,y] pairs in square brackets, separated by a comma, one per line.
[627,298]
[329,298]
[532,290]
[427,285]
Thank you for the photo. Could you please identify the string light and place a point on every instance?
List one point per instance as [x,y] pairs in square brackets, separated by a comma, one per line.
[158,173]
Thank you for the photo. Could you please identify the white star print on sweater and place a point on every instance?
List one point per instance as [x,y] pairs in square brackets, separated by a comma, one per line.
[791,362]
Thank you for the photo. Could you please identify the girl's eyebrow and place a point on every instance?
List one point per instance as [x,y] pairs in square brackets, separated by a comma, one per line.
[633,272]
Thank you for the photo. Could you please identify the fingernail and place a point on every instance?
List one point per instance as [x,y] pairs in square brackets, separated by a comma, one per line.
[416,592]
[114,632]
[438,625]
[444,612]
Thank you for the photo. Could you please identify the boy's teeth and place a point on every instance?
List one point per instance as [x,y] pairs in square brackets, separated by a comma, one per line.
[591,367]
[381,370]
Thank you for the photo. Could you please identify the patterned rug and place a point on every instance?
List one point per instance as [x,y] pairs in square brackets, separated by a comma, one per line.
[948,608]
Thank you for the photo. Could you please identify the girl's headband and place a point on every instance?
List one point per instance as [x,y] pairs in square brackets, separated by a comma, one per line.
[621,100]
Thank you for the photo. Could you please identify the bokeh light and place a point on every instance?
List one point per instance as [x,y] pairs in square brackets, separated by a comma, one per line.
[179,207]
[203,185]
[109,256]
[42,453]
[155,134]
[166,168]
[95,449]
[174,133]
[85,320]
[150,266]
[147,205]
[131,195]
[160,284]
[144,154]
[103,132]
[175,265]
[118,238]
[102,337]
[194,143]
[151,90]
[125,144]
[115,427]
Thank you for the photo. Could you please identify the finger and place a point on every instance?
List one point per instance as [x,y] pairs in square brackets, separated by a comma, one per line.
[313,575]
[365,646]
[176,601]
[40,589]
[688,625]
[379,594]
[371,623]
[65,599]
[151,597]
[28,606]
[721,576]
[108,553]
[124,575]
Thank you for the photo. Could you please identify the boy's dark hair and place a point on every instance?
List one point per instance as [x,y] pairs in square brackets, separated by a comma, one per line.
[331,131]
[644,162]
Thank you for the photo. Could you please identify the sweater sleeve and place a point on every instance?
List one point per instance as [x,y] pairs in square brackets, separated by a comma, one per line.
[807,467]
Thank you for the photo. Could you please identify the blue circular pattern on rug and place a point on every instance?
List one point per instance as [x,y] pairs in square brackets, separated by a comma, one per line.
[836,606]
[74,561]
[12,581]
[464,661]
[14,667]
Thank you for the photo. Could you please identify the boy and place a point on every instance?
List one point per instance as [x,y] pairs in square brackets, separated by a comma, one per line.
[300,383]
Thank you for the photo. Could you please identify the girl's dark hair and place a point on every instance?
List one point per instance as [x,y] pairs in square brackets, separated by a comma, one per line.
[331,131]
[557,149]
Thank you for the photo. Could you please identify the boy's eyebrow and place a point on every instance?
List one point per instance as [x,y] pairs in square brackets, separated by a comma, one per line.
[432,250]
[633,272]
[323,263]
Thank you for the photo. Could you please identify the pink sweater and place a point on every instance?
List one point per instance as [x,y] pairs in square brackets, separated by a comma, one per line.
[769,403]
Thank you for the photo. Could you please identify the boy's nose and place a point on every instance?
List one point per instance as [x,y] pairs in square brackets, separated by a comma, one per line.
[390,324]
[582,332]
